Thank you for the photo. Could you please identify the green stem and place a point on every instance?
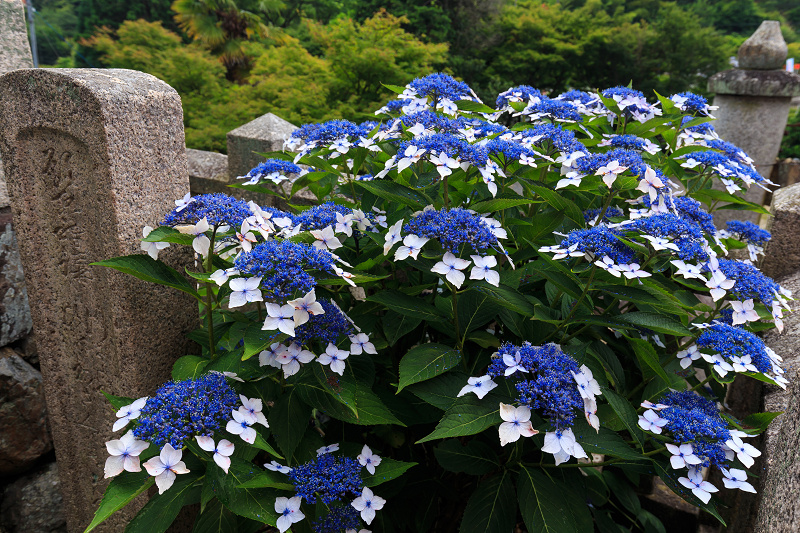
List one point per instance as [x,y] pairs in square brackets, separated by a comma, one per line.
[210,294]
[444,193]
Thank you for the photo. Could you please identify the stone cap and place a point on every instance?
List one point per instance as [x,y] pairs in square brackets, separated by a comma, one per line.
[765,49]
[209,165]
[15,52]
[267,127]
[775,83]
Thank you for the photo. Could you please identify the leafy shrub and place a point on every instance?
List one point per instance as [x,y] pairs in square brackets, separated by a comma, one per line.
[494,317]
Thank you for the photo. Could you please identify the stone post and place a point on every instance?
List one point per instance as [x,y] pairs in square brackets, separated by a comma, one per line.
[91,157]
[754,104]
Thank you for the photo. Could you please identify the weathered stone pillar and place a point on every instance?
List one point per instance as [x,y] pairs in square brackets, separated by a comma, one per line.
[92,156]
[754,104]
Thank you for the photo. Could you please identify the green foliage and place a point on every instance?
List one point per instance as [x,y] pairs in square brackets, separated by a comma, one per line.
[790,145]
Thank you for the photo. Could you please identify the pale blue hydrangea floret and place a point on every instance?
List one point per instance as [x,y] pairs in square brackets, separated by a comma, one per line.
[330,131]
[685,233]
[524,92]
[548,384]
[395,107]
[556,109]
[627,158]
[181,410]
[432,120]
[591,214]
[440,86]
[694,103]
[730,341]
[560,139]
[696,420]
[340,518]
[748,232]
[326,327]
[704,129]
[750,282]
[328,478]
[449,144]
[731,150]
[320,216]
[482,128]
[510,150]
[453,228]
[271,166]
[277,213]
[579,96]
[691,209]
[283,266]
[218,209]
[724,164]
[627,141]
[625,92]
[600,241]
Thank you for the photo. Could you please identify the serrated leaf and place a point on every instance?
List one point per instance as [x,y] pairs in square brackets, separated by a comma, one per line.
[656,322]
[215,518]
[268,480]
[498,204]
[119,493]
[759,421]
[263,445]
[257,340]
[366,409]
[255,504]
[626,413]
[395,193]
[188,367]
[426,361]
[387,470]
[395,326]
[506,297]
[670,478]
[475,107]
[491,508]
[288,420]
[604,442]
[148,269]
[407,305]
[560,203]
[168,234]
[467,416]
[441,391]
[474,457]
[159,513]
[117,402]
[648,357]
[394,88]
[549,506]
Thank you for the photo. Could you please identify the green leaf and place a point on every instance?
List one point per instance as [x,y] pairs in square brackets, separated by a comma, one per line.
[365,409]
[357,278]
[256,340]
[648,357]
[560,203]
[288,420]
[626,413]
[122,489]
[498,204]
[255,504]
[491,508]
[656,322]
[395,326]
[188,367]
[215,518]
[476,107]
[670,478]
[467,416]
[394,88]
[505,296]
[426,361]
[117,402]
[262,444]
[605,442]
[475,310]
[395,193]
[474,458]
[549,506]
[387,470]
[268,480]
[168,234]
[759,421]
[161,510]
[441,391]
[148,269]
[407,305]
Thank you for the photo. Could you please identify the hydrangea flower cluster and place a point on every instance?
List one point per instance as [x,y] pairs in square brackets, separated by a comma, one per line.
[453,228]
[216,209]
[632,103]
[274,170]
[745,231]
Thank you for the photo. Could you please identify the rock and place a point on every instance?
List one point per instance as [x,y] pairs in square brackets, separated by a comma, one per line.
[33,503]
[15,313]
[24,433]
[765,49]
[264,134]
[782,254]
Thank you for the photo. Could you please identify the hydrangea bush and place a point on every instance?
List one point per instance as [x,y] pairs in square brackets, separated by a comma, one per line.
[492,317]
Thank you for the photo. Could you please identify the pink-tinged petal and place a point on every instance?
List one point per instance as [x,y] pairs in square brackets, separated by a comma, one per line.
[165,480]
[509,432]
[115,447]
[507,412]
[138,447]
[169,455]
[234,427]
[205,443]
[114,466]
[248,435]
[526,430]
[180,468]
[132,464]
[522,413]
[225,448]
[223,462]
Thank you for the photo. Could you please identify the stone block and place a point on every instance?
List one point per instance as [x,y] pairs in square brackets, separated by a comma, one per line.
[264,134]
[24,433]
[782,255]
[91,156]
[15,313]
[33,503]
[765,49]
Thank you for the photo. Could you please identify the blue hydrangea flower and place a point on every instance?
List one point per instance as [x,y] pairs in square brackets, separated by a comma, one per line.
[591,215]
[585,102]
[218,209]
[511,151]
[560,139]
[685,233]
[272,167]
[636,104]
[453,146]
[341,518]
[704,129]
[452,228]
[328,478]
[320,216]
[547,385]
[750,282]
[600,241]
[283,267]
[746,231]
[691,103]
[627,158]
[324,328]
[432,120]
[730,341]
[521,93]
[440,86]
[182,410]
[554,109]
[327,132]
[696,420]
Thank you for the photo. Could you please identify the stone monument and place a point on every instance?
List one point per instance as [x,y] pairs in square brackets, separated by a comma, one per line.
[754,102]
[92,156]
